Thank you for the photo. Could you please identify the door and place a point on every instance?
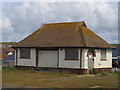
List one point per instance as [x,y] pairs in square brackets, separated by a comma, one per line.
[48,58]
[90,61]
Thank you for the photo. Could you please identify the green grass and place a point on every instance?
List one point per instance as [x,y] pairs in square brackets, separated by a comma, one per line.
[115,44]
[0,76]
[57,79]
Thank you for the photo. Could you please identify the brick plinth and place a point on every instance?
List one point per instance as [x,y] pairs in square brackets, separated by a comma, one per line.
[64,70]
[73,71]
[103,69]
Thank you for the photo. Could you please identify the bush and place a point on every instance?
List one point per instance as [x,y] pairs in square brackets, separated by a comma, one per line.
[8,68]
[99,72]
[92,71]
[103,74]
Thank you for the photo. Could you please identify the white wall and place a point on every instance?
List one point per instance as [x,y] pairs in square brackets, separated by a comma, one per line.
[103,64]
[68,63]
[26,62]
[15,57]
[97,60]
[84,59]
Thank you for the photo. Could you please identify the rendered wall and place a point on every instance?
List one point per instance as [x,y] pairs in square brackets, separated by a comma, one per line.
[26,62]
[97,60]
[98,63]
[68,63]
[84,59]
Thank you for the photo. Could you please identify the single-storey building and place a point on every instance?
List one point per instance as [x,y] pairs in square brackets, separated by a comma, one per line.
[69,46]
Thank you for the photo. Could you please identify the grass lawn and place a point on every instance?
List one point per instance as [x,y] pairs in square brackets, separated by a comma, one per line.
[57,79]
[0,76]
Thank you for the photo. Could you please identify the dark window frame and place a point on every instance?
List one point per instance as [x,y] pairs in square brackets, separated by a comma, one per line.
[25,53]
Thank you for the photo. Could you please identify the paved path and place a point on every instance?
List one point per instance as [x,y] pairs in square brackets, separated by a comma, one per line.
[95,87]
[116,69]
[15,86]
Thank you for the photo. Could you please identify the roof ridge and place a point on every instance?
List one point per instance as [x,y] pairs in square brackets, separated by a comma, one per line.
[65,23]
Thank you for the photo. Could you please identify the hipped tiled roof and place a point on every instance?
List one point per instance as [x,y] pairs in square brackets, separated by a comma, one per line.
[69,34]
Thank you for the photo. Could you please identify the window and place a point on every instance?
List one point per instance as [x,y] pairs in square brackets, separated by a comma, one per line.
[25,53]
[71,54]
[91,51]
[103,54]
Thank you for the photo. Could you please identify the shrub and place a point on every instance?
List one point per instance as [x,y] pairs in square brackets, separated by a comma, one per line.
[8,68]
[102,73]
[98,72]
[93,71]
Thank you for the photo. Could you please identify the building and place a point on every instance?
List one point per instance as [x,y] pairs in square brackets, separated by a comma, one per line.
[7,44]
[7,54]
[116,52]
[8,61]
[70,47]
[6,50]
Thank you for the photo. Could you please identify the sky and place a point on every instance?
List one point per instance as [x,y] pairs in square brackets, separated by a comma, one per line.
[20,19]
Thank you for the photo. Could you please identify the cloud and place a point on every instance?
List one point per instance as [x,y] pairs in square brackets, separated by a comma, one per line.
[7,25]
[25,17]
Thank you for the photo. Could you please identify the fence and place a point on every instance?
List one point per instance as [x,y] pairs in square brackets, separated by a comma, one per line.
[8,64]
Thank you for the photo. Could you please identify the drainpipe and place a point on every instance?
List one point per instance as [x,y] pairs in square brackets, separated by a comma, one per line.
[80,58]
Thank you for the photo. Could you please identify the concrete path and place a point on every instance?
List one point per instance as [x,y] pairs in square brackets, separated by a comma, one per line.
[95,87]
[15,86]
[115,69]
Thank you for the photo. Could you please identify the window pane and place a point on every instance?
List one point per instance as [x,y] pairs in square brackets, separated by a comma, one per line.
[71,53]
[24,53]
[103,54]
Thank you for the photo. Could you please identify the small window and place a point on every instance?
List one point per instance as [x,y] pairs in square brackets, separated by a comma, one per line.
[25,53]
[71,54]
[103,54]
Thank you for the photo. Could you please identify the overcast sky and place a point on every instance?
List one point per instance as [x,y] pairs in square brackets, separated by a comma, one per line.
[20,19]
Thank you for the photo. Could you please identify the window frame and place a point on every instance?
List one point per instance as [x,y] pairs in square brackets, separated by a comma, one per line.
[24,56]
[71,50]
[103,55]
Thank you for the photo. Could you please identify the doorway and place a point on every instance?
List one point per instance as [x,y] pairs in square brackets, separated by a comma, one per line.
[48,58]
[90,60]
